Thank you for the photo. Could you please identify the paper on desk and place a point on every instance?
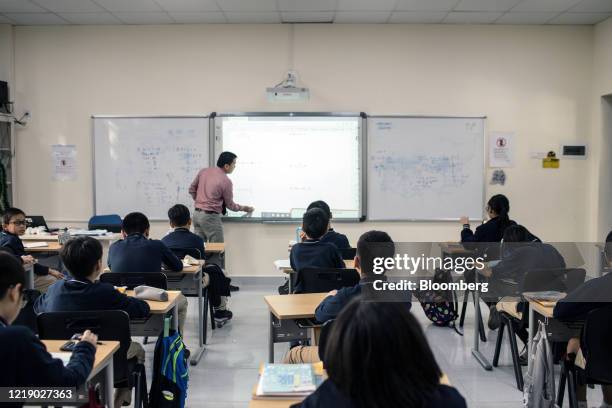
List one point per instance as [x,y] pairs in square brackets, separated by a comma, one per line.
[64,356]
[282,264]
[30,245]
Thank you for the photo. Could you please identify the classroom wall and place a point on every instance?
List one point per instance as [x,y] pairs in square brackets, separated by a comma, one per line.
[6,52]
[602,119]
[534,80]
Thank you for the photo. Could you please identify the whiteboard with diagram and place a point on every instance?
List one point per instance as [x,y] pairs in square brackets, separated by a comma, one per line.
[425,168]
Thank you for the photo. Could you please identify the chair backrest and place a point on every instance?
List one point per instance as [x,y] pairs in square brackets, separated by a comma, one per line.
[107,324]
[558,279]
[348,253]
[597,335]
[315,280]
[27,315]
[181,252]
[110,222]
[133,279]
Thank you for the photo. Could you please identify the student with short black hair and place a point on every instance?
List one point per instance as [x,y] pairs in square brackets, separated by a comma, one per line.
[376,356]
[182,238]
[25,360]
[137,253]
[340,240]
[13,226]
[371,245]
[311,252]
[82,258]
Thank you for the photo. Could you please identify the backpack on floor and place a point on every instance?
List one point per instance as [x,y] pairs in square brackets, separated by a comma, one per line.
[170,372]
[440,306]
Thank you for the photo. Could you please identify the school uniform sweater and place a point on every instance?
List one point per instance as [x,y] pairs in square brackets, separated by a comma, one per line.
[14,245]
[137,253]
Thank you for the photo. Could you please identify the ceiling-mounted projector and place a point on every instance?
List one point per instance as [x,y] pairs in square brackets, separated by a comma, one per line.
[287,90]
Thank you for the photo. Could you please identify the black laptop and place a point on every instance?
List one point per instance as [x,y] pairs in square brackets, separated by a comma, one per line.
[35,221]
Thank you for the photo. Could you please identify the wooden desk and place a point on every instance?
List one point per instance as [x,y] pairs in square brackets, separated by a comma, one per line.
[214,247]
[189,282]
[283,309]
[158,309]
[103,362]
[54,247]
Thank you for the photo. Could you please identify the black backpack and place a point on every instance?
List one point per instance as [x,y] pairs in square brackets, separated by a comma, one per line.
[440,306]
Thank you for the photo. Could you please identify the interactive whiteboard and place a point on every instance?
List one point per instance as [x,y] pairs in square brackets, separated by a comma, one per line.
[425,168]
[146,164]
[287,160]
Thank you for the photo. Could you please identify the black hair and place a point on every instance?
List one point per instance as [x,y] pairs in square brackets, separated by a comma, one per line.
[11,272]
[608,248]
[373,244]
[135,222]
[10,213]
[80,256]
[385,344]
[315,223]
[500,205]
[322,205]
[225,158]
[609,237]
[179,215]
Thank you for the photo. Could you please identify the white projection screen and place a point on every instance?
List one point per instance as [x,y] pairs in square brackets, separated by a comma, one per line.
[287,160]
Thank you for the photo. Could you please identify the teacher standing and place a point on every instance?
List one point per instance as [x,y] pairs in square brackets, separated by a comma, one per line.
[212,191]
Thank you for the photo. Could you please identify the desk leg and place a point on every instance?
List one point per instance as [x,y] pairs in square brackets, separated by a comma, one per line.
[530,339]
[195,359]
[271,340]
[30,283]
[109,387]
[482,360]
[175,320]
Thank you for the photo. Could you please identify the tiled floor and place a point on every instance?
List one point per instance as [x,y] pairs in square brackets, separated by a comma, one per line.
[228,370]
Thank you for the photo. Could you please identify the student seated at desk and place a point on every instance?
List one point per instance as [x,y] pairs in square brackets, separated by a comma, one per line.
[377,356]
[137,253]
[498,209]
[339,240]
[14,225]
[591,295]
[82,257]
[182,238]
[372,244]
[521,252]
[24,359]
[311,252]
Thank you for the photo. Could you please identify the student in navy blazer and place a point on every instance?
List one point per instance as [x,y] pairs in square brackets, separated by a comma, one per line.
[14,225]
[339,240]
[372,244]
[25,360]
[376,355]
[137,253]
[83,258]
[498,209]
[182,238]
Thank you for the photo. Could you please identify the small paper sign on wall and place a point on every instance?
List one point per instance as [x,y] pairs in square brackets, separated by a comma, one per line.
[64,162]
[501,149]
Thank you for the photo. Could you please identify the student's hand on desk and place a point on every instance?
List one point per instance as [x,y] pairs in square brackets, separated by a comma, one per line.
[90,338]
[332,292]
[464,220]
[28,259]
[56,274]
[248,209]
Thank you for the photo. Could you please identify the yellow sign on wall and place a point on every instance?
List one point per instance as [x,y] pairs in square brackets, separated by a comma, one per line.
[550,161]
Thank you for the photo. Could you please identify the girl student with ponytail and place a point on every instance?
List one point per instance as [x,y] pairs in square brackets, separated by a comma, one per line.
[498,209]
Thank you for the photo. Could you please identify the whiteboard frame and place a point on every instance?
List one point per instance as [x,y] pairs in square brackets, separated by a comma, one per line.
[93,144]
[363,124]
[484,163]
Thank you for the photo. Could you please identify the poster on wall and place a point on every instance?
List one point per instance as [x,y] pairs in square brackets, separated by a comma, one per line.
[501,149]
[64,162]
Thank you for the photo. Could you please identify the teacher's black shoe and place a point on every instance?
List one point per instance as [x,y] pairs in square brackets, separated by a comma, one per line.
[233,288]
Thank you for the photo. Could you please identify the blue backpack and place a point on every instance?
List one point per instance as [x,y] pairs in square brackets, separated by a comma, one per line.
[170,373]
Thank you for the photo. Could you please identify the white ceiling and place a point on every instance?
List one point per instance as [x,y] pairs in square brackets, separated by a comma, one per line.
[43,12]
